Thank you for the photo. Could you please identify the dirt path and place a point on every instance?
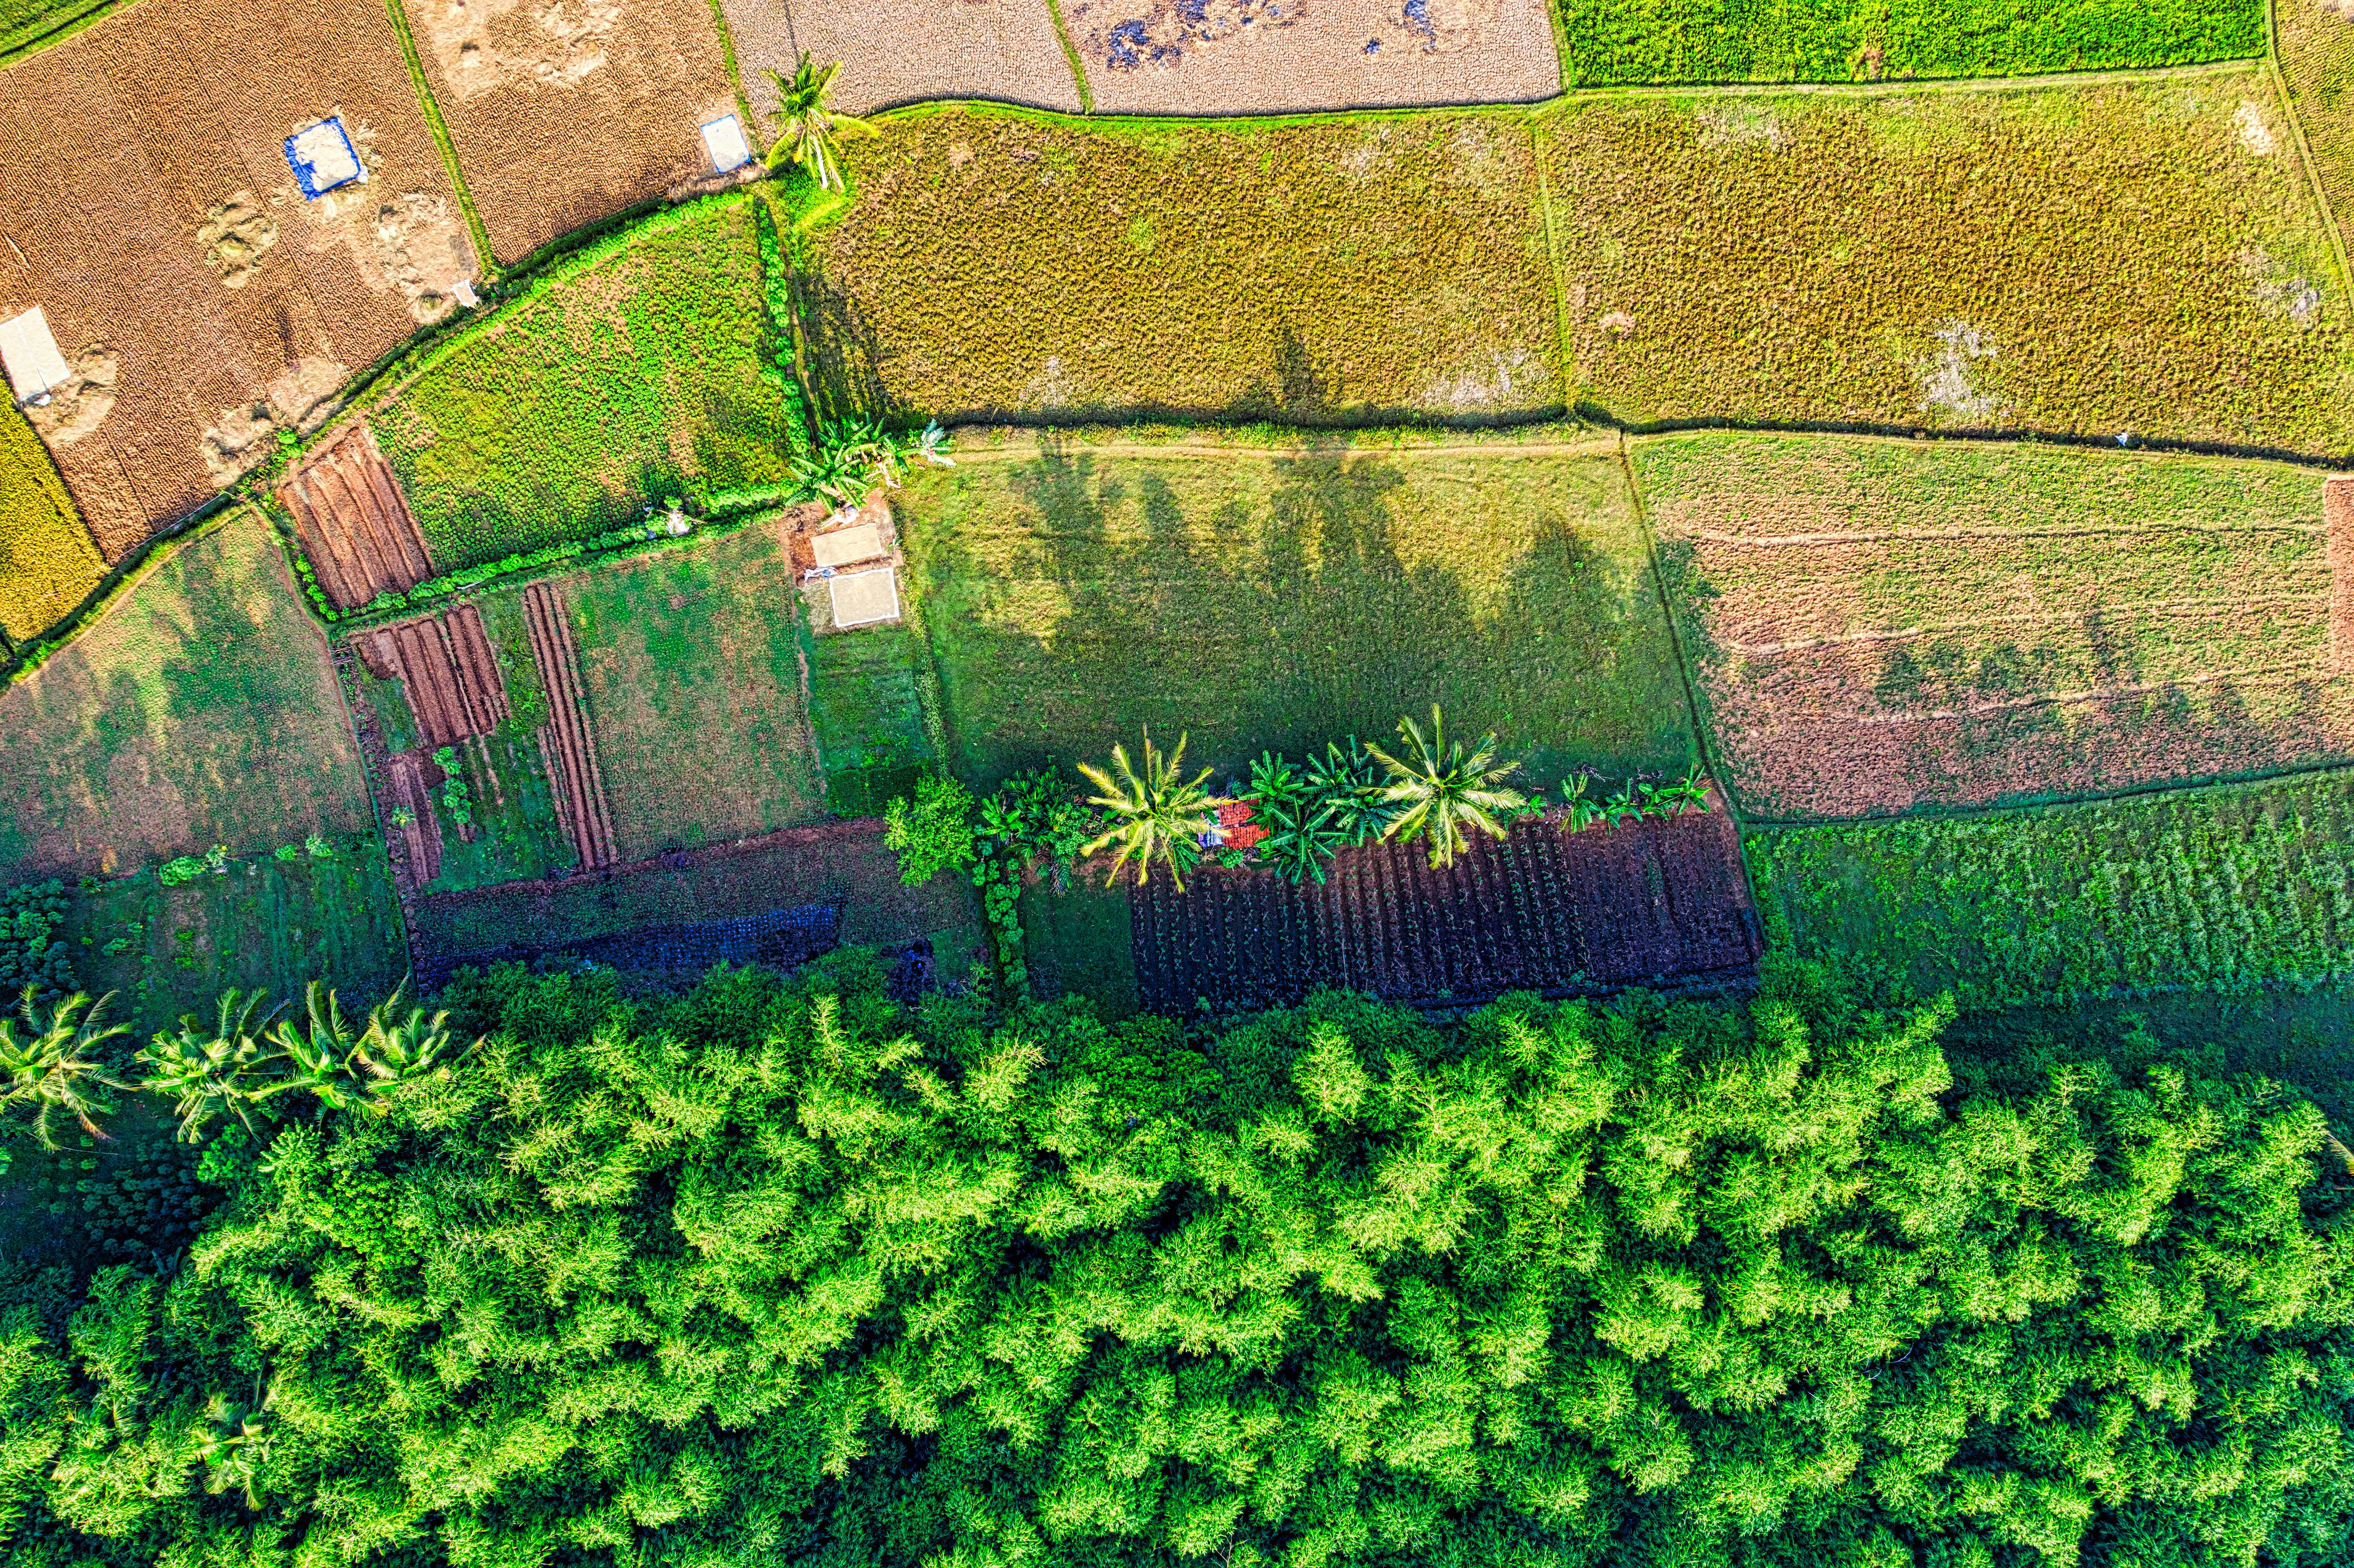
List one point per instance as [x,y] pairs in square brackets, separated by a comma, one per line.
[565,739]
[354,522]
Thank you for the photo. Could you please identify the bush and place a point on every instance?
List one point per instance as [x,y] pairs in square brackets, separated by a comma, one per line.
[931,831]
[31,953]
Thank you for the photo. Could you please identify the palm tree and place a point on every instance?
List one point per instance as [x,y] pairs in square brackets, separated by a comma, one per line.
[1155,816]
[321,1055]
[55,1065]
[806,127]
[1441,790]
[394,1050]
[211,1072]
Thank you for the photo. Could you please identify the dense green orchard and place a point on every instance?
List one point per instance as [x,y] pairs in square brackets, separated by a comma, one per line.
[779,1272]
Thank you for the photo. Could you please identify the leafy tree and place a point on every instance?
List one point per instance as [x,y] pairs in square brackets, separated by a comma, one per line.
[808,128]
[55,1066]
[1155,814]
[930,832]
[1438,789]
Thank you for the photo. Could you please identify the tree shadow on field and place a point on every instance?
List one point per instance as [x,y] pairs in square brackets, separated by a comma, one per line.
[842,354]
[1281,624]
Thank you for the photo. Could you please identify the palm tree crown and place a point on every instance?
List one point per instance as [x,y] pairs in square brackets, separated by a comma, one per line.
[1155,815]
[1441,790]
[807,127]
[55,1066]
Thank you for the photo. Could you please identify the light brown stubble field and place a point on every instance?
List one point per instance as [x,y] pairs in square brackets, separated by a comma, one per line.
[905,51]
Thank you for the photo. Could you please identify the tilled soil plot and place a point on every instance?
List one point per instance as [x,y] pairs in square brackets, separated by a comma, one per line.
[1236,56]
[1659,902]
[445,666]
[566,113]
[565,740]
[354,522]
[905,51]
[203,303]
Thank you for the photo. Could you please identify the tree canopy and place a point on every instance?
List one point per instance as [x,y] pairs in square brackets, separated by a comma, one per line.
[778,1271]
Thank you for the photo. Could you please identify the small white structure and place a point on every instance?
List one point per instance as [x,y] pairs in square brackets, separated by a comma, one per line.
[862,599]
[724,140]
[35,365]
[847,546]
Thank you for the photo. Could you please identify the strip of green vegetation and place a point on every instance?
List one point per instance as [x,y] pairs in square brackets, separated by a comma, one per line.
[484,257]
[2226,889]
[2317,66]
[621,376]
[1078,942]
[1611,42]
[1075,592]
[1327,270]
[29,25]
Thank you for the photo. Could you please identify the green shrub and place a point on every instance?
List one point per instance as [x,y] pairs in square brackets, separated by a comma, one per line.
[931,831]
[32,914]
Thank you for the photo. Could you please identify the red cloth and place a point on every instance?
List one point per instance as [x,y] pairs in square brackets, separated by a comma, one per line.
[1234,822]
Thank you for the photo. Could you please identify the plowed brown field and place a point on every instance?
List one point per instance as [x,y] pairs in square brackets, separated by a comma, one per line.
[565,739]
[445,665]
[1878,625]
[564,114]
[204,304]
[353,522]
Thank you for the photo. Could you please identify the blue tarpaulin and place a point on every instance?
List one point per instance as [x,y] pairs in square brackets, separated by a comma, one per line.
[322,158]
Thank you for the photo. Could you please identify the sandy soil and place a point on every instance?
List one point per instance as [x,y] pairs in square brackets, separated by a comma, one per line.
[1238,57]
[567,111]
[899,51]
[147,207]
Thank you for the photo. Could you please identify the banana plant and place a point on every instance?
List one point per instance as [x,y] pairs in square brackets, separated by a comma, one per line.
[55,1066]
[1275,782]
[1580,812]
[1624,807]
[1349,781]
[1301,837]
[212,1072]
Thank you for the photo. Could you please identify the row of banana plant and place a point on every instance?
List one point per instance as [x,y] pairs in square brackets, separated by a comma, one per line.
[1431,789]
[59,1067]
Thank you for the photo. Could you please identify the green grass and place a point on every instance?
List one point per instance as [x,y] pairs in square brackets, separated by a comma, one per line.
[691,661]
[1881,624]
[1077,593]
[2139,258]
[2228,889]
[629,371]
[200,709]
[1002,261]
[47,564]
[25,24]
[1078,942]
[866,708]
[1627,41]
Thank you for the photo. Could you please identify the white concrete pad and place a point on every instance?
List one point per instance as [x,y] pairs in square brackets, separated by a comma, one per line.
[724,140]
[863,598]
[31,355]
[847,546]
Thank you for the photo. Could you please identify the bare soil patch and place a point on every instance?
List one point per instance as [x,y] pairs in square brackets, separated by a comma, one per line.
[2337,514]
[1231,57]
[144,184]
[354,522]
[1660,901]
[445,666]
[904,51]
[564,111]
[565,740]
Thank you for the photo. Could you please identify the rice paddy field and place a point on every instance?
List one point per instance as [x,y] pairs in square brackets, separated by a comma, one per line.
[1612,42]
[48,563]
[2233,889]
[627,373]
[2316,61]
[1877,625]
[201,709]
[1254,597]
[2135,257]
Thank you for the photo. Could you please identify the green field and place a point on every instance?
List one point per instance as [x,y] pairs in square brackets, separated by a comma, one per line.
[24,21]
[1631,41]
[200,709]
[2227,889]
[1078,591]
[1881,624]
[866,710]
[628,372]
[1318,271]
[2140,258]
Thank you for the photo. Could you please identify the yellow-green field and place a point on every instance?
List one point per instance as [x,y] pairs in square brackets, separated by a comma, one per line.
[47,564]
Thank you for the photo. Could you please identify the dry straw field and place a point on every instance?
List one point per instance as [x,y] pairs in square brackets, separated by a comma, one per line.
[1879,624]
[1004,264]
[904,51]
[2317,58]
[2140,256]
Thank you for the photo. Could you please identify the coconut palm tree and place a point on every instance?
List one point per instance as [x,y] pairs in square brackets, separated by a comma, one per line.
[321,1054]
[807,127]
[211,1071]
[55,1066]
[1154,814]
[1440,790]
[393,1050]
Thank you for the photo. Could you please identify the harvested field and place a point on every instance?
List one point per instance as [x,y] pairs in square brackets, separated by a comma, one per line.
[1320,272]
[1635,41]
[354,523]
[690,672]
[563,739]
[2226,889]
[419,825]
[842,865]
[630,371]
[199,709]
[1877,624]
[1655,903]
[204,304]
[1238,57]
[47,564]
[446,669]
[1076,590]
[2139,257]
[565,114]
[2317,60]
[905,51]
